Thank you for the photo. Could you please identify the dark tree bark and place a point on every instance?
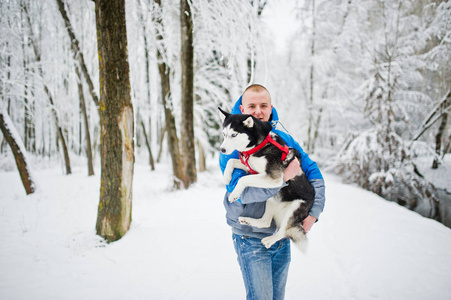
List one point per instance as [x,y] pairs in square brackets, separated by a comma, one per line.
[151,162]
[86,124]
[160,143]
[116,121]
[441,130]
[188,146]
[18,151]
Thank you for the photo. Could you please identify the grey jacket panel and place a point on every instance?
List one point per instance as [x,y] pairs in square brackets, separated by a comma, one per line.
[253,202]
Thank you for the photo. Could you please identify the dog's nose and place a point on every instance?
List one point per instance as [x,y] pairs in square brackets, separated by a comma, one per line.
[223,150]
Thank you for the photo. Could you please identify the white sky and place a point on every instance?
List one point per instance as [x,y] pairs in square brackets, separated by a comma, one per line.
[280,16]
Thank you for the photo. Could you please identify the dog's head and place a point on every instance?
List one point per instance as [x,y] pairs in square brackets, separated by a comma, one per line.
[241,132]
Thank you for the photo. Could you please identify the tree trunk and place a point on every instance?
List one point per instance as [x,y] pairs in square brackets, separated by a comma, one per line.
[116,121]
[151,162]
[251,64]
[18,150]
[202,158]
[441,131]
[77,51]
[162,134]
[59,131]
[173,141]
[86,124]
[315,135]
[188,147]
[433,117]
[29,126]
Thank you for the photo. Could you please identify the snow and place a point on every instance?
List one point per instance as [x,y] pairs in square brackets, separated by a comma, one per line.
[440,176]
[179,246]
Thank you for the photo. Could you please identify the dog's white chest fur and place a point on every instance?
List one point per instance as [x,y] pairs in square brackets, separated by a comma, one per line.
[258,164]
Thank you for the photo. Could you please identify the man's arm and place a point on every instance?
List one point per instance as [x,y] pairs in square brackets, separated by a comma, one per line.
[292,170]
[308,222]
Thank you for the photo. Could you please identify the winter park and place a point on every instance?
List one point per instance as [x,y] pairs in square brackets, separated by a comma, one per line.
[111,145]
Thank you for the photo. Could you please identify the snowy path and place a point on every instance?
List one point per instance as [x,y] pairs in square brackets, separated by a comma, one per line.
[179,246]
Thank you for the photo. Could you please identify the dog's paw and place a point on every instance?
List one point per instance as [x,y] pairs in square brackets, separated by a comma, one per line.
[269,241]
[233,197]
[244,221]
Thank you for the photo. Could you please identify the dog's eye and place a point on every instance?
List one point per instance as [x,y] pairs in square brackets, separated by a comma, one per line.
[234,134]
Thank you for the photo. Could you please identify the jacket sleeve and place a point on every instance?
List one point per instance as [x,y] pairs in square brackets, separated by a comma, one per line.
[250,194]
[320,197]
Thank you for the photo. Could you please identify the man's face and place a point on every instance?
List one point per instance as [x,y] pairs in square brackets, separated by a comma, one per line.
[257,105]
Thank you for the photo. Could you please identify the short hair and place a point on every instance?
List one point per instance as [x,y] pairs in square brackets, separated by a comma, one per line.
[257,88]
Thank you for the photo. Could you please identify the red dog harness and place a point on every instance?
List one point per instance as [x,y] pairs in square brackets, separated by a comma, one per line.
[244,156]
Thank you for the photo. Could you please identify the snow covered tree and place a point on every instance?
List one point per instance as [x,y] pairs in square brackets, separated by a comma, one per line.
[257,9]
[379,159]
[78,56]
[226,35]
[56,118]
[116,121]
[436,56]
[165,72]
[222,39]
[370,77]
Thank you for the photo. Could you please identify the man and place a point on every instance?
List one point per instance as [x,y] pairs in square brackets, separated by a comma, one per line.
[264,270]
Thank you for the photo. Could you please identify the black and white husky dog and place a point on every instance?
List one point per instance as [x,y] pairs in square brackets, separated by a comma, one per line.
[265,156]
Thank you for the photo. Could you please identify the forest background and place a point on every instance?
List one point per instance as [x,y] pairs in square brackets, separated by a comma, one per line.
[364,86]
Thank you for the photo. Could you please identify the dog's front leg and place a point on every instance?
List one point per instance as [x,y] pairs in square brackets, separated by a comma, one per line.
[266,219]
[256,180]
[232,164]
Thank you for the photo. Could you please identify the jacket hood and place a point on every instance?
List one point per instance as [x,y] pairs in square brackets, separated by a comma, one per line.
[274,118]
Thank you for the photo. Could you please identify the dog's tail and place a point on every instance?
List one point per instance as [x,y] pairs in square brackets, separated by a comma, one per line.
[299,238]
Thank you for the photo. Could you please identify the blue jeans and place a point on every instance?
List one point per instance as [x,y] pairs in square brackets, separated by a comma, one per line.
[265,271]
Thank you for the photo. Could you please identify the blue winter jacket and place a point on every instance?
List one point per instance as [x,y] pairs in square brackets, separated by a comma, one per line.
[253,200]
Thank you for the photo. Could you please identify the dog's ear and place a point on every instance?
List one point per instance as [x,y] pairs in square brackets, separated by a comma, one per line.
[249,122]
[223,114]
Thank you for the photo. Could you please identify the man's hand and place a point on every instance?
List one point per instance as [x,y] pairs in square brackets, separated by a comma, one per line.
[292,170]
[308,223]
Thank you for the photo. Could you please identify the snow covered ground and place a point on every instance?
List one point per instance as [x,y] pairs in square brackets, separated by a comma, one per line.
[179,246]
